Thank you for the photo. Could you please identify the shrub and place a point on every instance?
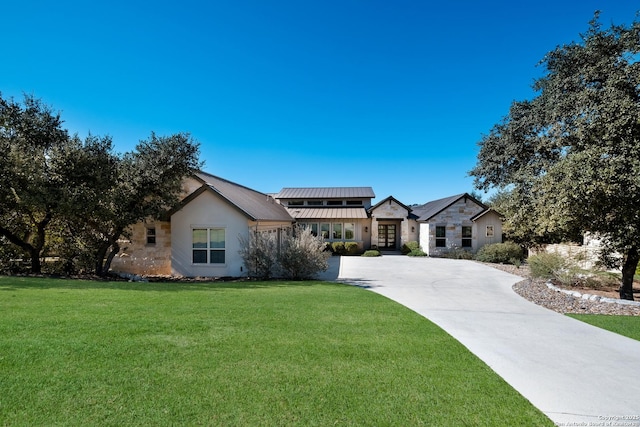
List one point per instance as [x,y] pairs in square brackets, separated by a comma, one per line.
[458,253]
[409,246]
[371,253]
[500,253]
[351,248]
[260,254]
[417,252]
[338,248]
[547,265]
[302,255]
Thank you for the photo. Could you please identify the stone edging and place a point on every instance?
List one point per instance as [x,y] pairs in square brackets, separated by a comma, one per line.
[593,298]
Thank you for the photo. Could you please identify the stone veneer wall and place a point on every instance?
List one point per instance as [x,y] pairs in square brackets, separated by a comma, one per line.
[454,217]
[138,257]
[584,256]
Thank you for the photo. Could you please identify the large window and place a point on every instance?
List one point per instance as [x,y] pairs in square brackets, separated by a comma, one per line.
[208,246]
[325,229]
[441,236]
[337,231]
[466,236]
[332,230]
[349,231]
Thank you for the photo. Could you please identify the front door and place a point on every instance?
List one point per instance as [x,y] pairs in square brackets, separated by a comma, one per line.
[386,236]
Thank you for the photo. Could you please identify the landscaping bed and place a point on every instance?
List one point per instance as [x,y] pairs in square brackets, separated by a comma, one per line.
[537,291]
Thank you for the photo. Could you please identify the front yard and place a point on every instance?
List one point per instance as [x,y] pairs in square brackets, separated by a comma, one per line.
[253,353]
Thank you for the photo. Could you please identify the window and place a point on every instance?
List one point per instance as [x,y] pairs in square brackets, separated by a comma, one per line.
[151,236]
[325,228]
[295,202]
[313,226]
[314,202]
[337,230]
[441,236]
[354,202]
[466,236]
[489,230]
[349,231]
[334,202]
[208,245]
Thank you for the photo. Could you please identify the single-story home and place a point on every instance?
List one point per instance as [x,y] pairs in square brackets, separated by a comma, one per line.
[200,237]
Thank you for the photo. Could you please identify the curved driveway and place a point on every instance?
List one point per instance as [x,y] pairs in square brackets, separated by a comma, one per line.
[575,373]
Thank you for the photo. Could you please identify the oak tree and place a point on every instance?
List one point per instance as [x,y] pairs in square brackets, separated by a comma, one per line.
[569,159]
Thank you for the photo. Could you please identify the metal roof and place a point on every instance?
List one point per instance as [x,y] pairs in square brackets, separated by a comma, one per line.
[326,193]
[327,213]
[257,206]
[430,209]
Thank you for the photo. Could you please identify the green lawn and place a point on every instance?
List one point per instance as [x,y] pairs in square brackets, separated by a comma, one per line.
[261,353]
[629,326]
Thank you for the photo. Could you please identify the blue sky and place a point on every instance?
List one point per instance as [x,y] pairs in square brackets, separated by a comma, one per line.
[389,94]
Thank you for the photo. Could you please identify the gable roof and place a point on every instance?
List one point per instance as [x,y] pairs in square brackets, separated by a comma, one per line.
[325,193]
[254,204]
[380,203]
[430,209]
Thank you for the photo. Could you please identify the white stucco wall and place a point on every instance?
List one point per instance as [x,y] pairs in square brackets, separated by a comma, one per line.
[480,230]
[208,210]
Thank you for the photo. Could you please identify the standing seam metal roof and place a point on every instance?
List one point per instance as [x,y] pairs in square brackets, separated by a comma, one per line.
[430,209]
[325,193]
[327,213]
[256,205]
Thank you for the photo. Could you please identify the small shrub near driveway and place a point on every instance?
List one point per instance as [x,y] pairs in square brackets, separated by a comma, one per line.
[371,253]
[338,248]
[409,246]
[412,248]
[501,253]
[351,248]
[547,265]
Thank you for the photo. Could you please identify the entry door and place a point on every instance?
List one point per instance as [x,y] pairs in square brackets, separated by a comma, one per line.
[386,236]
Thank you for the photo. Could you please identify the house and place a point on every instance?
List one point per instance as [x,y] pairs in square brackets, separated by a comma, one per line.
[458,221]
[201,235]
[335,213]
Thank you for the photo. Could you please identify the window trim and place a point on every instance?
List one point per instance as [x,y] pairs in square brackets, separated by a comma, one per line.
[208,248]
[151,236]
[441,241]
[467,241]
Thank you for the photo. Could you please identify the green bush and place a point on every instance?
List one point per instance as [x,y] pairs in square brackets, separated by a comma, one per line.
[351,248]
[338,248]
[547,265]
[371,253]
[500,253]
[409,246]
[417,252]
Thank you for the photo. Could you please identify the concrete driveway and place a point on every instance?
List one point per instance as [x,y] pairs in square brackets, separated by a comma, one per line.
[573,372]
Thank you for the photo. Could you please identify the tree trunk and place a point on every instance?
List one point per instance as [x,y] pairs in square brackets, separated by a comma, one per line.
[629,265]
[33,252]
[115,248]
[105,255]
[99,260]
[36,264]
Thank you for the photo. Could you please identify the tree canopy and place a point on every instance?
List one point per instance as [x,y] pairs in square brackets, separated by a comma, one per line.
[568,161]
[76,198]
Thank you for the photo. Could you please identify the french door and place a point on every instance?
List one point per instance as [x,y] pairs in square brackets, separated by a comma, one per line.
[386,236]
